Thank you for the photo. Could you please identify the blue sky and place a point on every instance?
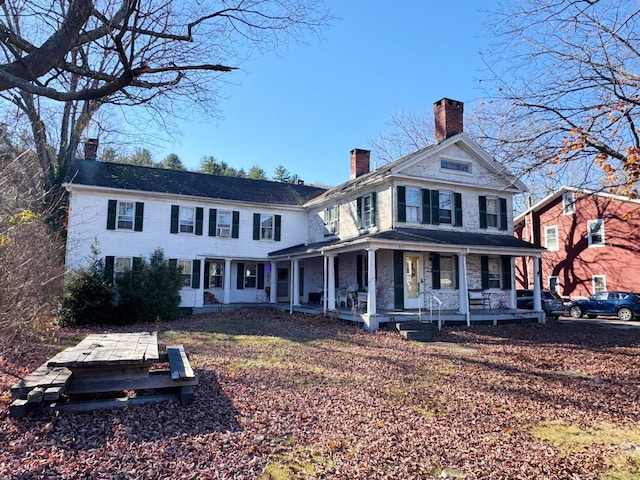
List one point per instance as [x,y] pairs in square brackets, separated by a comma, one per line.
[306,108]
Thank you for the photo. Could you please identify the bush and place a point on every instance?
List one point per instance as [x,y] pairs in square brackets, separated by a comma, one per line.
[148,292]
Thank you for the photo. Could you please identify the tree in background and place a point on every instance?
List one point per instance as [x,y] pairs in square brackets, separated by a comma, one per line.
[172,162]
[568,82]
[257,173]
[281,174]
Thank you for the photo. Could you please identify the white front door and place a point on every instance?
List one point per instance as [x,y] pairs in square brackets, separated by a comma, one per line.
[411,280]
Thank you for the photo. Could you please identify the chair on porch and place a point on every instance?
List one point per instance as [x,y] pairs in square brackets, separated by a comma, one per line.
[359,300]
[341,297]
[477,297]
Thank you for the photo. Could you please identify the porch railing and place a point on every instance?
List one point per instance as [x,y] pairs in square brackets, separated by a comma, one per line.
[431,298]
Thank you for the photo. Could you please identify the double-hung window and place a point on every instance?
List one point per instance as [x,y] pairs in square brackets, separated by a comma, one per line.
[413,205]
[595,232]
[332,220]
[551,237]
[447,271]
[125,215]
[223,227]
[185,266]
[216,274]
[445,208]
[187,219]
[266,227]
[568,203]
[599,284]
[494,272]
[250,275]
[366,211]
[492,212]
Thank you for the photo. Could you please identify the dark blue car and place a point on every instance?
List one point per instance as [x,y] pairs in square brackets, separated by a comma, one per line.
[624,305]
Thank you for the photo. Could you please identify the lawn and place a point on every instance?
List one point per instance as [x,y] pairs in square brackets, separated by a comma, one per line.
[301,396]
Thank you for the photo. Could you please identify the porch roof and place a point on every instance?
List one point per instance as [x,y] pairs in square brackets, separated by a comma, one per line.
[426,239]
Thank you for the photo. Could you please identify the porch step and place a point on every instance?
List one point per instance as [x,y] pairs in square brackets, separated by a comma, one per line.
[417,331]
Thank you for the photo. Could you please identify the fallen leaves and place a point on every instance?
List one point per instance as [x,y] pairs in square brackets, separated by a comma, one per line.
[306,397]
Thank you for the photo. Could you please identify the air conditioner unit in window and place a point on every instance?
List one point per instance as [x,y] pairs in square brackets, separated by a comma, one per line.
[224,231]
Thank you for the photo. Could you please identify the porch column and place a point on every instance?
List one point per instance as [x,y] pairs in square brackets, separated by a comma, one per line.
[463,291]
[371,322]
[325,267]
[537,302]
[296,283]
[331,283]
[273,295]
[226,294]
[200,291]
[512,292]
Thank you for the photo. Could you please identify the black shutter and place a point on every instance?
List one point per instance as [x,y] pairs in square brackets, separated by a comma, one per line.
[484,271]
[240,279]
[359,212]
[457,203]
[137,264]
[435,271]
[402,203]
[278,227]
[373,208]
[109,268]
[482,207]
[256,226]
[199,220]
[207,274]
[195,274]
[260,276]
[175,210]
[359,270]
[213,222]
[173,262]
[336,269]
[235,226]
[398,280]
[503,213]
[506,272]
[456,267]
[426,206]
[111,214]
[139,217]
[435,207]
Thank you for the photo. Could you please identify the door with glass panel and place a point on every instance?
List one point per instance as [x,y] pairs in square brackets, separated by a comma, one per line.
[412,277]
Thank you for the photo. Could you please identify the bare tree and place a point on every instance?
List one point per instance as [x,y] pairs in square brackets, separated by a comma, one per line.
[568,91]
[156,54]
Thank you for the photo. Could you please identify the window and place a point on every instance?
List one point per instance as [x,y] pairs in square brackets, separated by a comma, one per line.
[366,212]
[456,166]
[492,212]
[250,275]
[554,284]
[413,204]
[494,272]
[185,269]
[122,265]
[266,227]
[447,271]
[595,232]
[551,237]
[223,227]
[599,283]
[332,220]
[125,215]
[216,274]
[568,205]
[187,219]
[445,207]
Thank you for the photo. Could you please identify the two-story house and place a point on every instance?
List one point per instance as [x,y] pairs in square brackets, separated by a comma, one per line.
[591,240]
[432,225]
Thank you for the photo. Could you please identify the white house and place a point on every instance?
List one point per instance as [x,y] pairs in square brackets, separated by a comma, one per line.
[434,224]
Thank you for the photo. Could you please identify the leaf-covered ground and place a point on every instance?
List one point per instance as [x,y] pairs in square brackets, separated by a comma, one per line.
[299,396]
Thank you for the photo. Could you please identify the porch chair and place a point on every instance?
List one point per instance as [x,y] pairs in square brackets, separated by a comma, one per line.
[341,297]
[477,297]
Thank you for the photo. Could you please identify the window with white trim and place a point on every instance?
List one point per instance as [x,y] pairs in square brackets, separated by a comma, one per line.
[495,271]
[332,220]
[185,267]
[121,265]
[216,274]
[125,216]
[187,219]
[366,212]
[554,284]
[447,271]
[595,232]
[266,227]
[568,203]
[223,223]
[551,237]
[493,211]
[250,275]
[445,207]
[455,166]
[599,283]
[413,204]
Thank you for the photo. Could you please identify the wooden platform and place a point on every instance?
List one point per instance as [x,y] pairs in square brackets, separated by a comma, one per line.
[109,365]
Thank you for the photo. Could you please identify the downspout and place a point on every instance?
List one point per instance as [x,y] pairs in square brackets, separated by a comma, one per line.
[292,286]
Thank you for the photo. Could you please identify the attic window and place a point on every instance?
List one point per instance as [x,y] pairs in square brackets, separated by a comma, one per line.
[456,166]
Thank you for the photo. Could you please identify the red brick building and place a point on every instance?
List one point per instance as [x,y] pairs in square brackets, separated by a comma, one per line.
[592,241]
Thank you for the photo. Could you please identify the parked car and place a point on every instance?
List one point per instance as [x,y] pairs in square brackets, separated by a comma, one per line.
[624,305]
[551,302]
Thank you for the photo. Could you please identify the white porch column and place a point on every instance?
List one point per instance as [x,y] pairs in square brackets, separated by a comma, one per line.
[537,302]
[296,283]
[199,300]
[463,291]
[512,292]
[273,295]
[226,294]
[371,322]
[331,283]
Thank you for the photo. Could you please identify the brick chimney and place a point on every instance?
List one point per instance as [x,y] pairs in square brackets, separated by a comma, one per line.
[359,162]
[448,115]
[91,149]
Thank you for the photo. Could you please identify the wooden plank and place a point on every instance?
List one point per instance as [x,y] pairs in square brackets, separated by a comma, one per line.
[18,408]
[187,395]
[87,406]
[154,381]
[179,363]
[53,393]
[43,376]
[36,395]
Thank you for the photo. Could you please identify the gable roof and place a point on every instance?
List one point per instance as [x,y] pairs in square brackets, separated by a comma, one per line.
[178,182]
[396,167]
[562,190]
